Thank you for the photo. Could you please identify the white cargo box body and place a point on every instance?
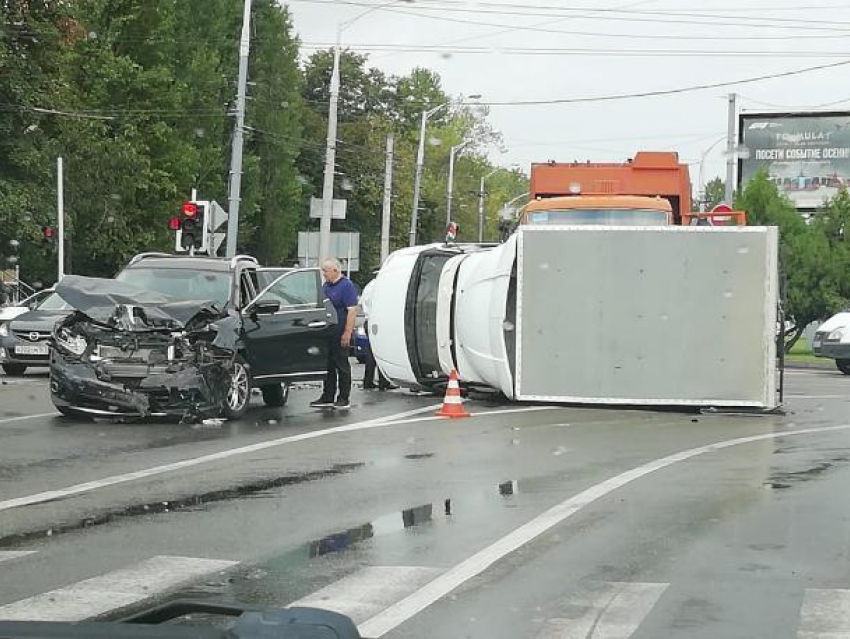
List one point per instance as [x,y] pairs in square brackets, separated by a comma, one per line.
[647,315]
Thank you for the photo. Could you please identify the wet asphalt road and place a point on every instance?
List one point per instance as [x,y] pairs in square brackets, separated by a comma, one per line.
[749,540]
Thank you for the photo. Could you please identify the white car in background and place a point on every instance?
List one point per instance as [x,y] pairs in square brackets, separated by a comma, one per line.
[11,311]
[832,340]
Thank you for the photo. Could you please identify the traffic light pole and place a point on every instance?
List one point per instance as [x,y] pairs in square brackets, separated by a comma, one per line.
[236,151]
[60,214]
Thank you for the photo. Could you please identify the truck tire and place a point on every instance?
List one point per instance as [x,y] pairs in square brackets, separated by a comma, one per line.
[843,365]
[275,394]
[15,369]
[238,395]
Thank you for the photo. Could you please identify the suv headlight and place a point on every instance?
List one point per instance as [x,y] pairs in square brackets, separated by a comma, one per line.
[836,335]
[4,330]
[75,344]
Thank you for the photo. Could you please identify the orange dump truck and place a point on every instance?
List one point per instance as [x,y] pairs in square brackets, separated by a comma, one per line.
[653,188]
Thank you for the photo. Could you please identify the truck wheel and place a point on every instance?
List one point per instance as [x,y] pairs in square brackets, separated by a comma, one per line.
[15,369]
[843,365]
[275,394]
[238,395]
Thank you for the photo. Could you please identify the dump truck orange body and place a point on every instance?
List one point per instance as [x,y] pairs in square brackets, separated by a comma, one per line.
[650,173]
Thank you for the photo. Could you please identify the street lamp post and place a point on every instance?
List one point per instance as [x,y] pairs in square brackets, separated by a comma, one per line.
[330,143]
[481,195]
[457,148]
[420,161]
[417,174]
[702,170]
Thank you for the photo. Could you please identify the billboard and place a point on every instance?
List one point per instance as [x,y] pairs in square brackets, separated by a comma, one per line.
[807,155]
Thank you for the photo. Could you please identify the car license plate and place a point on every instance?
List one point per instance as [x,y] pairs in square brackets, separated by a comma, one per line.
[34,349]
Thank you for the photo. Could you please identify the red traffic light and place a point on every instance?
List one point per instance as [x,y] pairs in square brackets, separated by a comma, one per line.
[174,224]
[47,232]
[189,209]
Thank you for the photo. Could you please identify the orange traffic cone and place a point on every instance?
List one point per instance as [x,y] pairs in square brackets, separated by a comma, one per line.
[452,404]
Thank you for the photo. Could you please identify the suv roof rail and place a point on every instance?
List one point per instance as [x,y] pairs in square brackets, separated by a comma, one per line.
[238,258]
[142,256]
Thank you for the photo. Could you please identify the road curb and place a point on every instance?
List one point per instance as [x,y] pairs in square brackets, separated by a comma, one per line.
[827,365]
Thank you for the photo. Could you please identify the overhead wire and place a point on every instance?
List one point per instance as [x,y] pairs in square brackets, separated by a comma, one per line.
[579,51]
[642,17]
[665,92]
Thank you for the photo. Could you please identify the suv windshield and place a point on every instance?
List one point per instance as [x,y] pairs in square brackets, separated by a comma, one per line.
[607,217]
[181,283]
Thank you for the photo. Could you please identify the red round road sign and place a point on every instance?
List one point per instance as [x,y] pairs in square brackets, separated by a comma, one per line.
[721,208]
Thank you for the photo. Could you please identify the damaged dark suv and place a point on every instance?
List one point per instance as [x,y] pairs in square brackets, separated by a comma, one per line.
[187,337]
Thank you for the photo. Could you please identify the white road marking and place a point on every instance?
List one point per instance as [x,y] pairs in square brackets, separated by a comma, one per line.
[473,566]
[524,409]
[8,555]
[123,478]
[113,590]
[369,590]
[825,614]
[818,396]
[9,420]
[613,611]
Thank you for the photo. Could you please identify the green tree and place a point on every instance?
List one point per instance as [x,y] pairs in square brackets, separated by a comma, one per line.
[275,118]
[35,38]
[715,193]
[806,267]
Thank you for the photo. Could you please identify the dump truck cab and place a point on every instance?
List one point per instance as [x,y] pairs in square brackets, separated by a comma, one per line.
[650,174]
[616,210]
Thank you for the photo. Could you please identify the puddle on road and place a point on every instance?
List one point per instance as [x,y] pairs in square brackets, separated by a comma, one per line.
[783,479]
[386,524]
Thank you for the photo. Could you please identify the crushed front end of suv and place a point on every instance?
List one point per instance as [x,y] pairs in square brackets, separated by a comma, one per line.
[131,352]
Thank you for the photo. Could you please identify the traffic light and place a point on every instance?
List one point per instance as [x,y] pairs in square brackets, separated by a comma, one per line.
[192,227]
[48,236]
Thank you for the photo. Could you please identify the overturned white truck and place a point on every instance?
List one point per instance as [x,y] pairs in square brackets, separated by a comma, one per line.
[661,315]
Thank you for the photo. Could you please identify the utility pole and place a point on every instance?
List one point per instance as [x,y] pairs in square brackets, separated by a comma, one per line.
[388,193]
[330,160]
[481,210]
[417,179]
[60,215]
[236,150]
[731,145]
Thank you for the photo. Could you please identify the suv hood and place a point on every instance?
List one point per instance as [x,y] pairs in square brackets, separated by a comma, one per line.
[102,300]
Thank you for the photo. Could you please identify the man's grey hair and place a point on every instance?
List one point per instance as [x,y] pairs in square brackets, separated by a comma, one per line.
[332,261]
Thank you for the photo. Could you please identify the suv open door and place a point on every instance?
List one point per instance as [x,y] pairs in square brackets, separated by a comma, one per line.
[287,329]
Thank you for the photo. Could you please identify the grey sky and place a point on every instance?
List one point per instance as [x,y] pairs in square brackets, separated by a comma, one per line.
[775,35]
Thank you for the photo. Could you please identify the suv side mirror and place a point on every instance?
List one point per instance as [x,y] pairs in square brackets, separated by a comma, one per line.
[265,307]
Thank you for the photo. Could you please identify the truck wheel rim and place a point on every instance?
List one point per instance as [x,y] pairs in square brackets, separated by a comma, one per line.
[238,394]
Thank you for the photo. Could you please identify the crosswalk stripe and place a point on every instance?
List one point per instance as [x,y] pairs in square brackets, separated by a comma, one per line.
[113,590]
[369,590]
[614,610]
[8,555]
[825,614]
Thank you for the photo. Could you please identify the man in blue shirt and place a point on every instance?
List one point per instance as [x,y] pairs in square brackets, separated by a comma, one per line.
[342,294]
